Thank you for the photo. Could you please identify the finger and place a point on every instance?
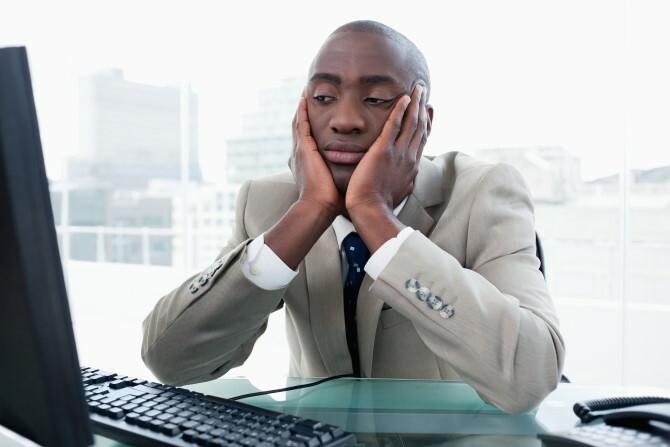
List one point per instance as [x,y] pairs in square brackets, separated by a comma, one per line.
[411,118]
[421,132]
[294,125]
[393,123]
[304,129]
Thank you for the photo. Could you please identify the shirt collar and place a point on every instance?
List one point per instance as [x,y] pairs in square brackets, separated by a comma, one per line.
[343,226]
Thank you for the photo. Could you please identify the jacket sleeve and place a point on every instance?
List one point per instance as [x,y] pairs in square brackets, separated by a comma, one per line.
[503,336]
[209,323]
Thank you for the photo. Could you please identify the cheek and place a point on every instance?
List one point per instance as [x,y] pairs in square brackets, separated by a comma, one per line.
[318,123]
[377,122]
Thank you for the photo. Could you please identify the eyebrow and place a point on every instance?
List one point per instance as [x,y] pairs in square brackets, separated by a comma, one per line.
[370,79]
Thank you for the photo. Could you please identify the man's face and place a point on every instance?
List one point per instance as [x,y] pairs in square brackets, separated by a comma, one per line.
[354,82]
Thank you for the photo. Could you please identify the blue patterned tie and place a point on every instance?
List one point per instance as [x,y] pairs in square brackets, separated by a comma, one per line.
[357,255]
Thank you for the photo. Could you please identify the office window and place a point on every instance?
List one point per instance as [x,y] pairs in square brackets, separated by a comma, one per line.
[149,132]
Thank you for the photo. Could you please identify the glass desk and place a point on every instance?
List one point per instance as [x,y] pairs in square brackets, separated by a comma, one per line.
[384,412]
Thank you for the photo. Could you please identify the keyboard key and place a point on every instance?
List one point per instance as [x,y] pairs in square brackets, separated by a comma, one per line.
[335,431]
[309,424]
[204,428]
[311,441]
[189,425]
[129,407]
[178,420]
[289,443]
[132,418]
[141,410]
[217,433]
[115,413]
[189,435]
[324,437]
[155,424]
[289,419]
[152,413]
[143,421]
[233,437]
[118,384]
[170,429]
[203,439]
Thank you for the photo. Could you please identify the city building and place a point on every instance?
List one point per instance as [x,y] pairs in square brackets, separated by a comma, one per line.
[552,171]
[131,132]
[265,143]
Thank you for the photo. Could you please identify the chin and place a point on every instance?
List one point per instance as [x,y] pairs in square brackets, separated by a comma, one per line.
[341,180]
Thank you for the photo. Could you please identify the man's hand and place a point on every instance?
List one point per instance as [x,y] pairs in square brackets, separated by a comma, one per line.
[319,201]
[312,176]
[386,173]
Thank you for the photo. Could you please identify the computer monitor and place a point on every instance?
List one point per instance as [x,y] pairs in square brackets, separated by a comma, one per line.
[41,392]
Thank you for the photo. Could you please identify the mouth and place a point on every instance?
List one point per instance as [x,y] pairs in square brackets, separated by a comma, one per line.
[343,153]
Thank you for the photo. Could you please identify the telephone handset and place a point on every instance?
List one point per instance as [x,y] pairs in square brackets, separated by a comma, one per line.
[627,421]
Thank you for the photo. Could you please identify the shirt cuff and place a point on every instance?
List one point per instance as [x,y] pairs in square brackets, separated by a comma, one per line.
[264,268]
[380,258]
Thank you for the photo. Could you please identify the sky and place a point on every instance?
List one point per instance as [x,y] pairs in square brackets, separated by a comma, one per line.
[588,75]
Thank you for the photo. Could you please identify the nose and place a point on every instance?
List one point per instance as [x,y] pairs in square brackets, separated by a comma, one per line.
[347,117]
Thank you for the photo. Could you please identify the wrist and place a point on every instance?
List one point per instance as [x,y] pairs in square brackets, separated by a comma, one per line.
[318,214]
[376,224]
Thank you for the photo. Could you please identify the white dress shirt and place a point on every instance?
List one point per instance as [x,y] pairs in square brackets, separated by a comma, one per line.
[266,270]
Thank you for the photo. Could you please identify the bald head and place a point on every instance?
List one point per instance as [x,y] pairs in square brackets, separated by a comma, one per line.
[414,57]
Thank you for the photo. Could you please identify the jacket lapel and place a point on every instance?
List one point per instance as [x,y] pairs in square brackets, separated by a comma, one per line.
[323,269]
[427,192]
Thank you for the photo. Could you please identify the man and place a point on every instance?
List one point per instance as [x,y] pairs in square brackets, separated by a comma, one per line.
[389,264]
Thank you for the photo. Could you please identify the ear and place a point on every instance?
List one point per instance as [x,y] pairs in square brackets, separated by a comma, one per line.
[429,124]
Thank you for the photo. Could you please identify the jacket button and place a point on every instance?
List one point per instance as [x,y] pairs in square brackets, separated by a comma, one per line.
[423,293]
[435,302]
[447,311]
[412,285]
[254,269]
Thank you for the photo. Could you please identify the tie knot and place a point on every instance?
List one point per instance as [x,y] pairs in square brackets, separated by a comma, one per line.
[355,250]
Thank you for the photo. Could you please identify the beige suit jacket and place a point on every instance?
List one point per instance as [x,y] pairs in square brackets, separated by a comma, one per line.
[474,247]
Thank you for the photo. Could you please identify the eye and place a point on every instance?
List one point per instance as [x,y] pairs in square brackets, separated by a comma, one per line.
[324,99]
[376,101]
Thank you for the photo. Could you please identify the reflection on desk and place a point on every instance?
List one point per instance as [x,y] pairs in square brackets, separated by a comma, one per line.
[388,412]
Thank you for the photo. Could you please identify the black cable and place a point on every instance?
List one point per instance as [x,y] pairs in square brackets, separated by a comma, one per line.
[295,387]
[584,410]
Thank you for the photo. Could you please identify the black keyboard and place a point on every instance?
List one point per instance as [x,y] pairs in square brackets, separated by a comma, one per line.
[142,413]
